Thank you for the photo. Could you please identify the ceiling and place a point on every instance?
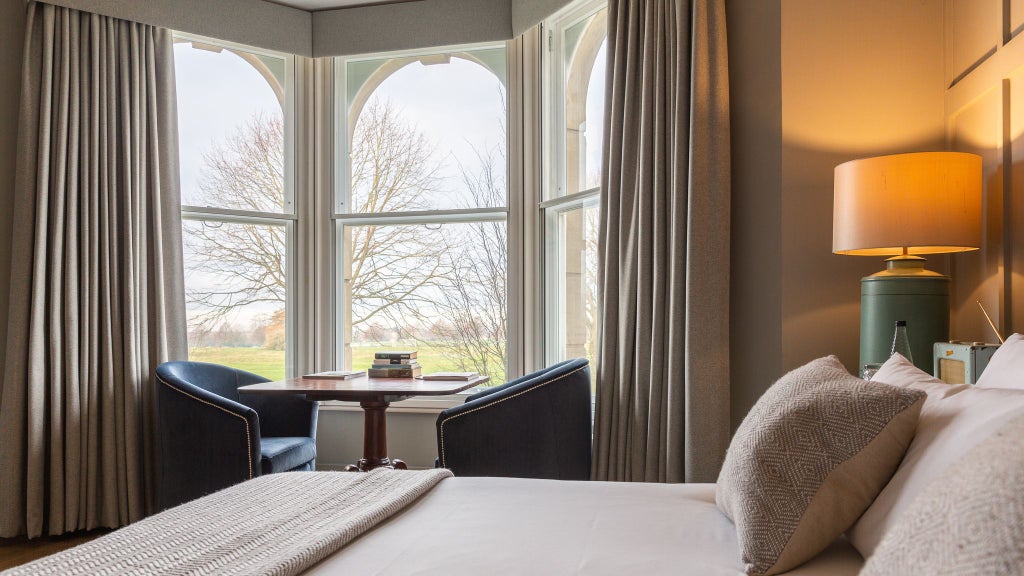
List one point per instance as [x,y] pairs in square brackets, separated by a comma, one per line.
[330,4]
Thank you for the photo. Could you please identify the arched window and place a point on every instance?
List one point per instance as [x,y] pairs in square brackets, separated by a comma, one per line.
[237,208]
[584,47]
[421,203]
[575,66]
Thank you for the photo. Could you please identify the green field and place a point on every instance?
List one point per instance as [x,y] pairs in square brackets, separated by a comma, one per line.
[266,363]
[271,363]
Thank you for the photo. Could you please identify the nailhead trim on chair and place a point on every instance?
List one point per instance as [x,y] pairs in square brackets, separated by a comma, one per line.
[248,439]
[488,405]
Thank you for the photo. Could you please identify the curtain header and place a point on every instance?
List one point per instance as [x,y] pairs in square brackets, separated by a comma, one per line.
[338,32]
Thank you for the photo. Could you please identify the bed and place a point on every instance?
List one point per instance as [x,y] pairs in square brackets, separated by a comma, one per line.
[428,522]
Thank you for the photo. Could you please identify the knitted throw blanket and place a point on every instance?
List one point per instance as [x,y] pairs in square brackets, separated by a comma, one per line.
[277,524]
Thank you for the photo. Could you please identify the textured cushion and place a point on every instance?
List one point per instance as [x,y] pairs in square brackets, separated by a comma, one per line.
[899,371]
[947,430]
[970,520]
[284,453]
[809,458]
[1006,368]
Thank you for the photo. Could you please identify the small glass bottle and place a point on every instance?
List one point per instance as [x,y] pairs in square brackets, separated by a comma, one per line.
[900,342]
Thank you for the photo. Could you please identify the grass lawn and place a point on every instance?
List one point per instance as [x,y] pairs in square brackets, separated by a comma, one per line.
[271,363]
[266,363]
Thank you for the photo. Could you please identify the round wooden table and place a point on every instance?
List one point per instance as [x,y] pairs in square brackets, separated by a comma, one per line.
[374,396]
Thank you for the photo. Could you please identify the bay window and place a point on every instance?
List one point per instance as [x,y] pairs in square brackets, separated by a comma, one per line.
[396,232]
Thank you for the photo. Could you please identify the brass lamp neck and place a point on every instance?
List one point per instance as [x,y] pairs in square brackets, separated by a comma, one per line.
[905,265]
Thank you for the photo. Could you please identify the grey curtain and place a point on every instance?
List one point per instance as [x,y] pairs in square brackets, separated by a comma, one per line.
[662,410]
[96,283]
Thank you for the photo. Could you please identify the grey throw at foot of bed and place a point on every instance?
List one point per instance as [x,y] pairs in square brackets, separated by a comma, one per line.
[278,524]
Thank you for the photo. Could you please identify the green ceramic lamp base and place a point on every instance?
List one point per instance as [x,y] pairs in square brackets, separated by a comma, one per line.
[904,291]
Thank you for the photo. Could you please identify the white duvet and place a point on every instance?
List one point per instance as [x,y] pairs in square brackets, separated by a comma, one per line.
[478,526]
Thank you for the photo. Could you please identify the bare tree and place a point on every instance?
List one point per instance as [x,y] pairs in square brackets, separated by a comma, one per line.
[244,263]
[473,303]
[391,268]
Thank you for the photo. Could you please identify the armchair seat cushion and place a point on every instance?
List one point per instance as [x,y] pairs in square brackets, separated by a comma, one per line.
[282,454]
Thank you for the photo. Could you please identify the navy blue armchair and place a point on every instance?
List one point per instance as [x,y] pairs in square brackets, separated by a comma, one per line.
[537,426]
[210,437]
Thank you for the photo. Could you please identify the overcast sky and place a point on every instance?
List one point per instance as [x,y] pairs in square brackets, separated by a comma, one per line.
[458,107]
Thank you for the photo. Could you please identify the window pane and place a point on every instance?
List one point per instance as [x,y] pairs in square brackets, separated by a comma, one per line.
[230,126]
[436,288]
[585,46]
[576,282]
[235,295]
[426,132]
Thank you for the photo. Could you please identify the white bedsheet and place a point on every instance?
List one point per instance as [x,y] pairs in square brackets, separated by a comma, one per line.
[478,526]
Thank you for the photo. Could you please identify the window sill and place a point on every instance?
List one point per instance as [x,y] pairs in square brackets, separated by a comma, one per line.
[414,405]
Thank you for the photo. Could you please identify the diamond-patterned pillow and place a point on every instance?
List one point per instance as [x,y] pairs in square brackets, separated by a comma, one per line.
[809,458]
[970,520]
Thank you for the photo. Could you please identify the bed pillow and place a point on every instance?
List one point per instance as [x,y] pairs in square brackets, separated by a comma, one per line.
[808,459]
[1006,368]
[947,430]
[970,520]
[899,371]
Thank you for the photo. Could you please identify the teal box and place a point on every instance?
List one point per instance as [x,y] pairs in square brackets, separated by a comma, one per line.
[962,362]
[923,301]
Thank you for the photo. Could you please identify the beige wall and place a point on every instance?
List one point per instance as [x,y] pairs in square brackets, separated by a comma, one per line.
[815,83]
[12,24]
[858,79]
[755,79]
[983,110]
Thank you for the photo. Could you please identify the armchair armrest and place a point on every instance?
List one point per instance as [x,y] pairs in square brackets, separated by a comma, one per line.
[204,442]
[520,380]
[539,427]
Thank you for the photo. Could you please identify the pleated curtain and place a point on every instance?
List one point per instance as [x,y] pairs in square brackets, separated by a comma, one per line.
[662,412]
[96,284]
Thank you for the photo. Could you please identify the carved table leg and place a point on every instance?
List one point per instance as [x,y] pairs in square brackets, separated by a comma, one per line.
[375,440]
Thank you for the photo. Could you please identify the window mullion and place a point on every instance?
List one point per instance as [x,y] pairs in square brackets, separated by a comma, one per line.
[235,217]
[425,217]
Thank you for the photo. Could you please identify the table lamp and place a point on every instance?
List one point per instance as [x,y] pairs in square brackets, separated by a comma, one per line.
[902,206]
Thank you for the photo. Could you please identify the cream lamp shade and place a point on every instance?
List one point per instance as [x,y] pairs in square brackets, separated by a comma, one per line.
[904,204]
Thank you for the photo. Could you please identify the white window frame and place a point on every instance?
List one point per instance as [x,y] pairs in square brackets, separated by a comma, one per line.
[337,198]
[554,202]
[554,263]
[553,67]
[289,217]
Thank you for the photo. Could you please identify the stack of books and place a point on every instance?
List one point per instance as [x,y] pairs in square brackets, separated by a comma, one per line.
[401,364]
